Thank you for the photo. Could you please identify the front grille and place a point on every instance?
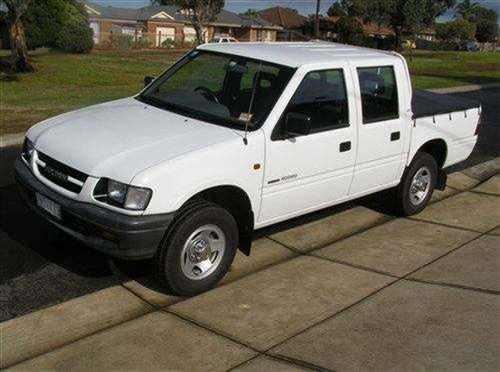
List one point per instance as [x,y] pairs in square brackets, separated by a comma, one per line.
[60,174]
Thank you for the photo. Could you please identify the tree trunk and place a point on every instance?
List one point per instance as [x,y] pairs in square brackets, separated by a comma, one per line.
[316,20]
[18,48]
[398,36]
[199,33]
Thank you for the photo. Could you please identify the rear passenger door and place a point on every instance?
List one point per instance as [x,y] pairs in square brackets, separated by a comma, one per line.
[311,171]
[381,128]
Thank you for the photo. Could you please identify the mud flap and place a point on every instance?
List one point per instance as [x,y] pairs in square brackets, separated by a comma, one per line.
[441,180]
[246,235]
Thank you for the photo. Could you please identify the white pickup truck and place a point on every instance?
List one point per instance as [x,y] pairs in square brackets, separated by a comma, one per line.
[235,137]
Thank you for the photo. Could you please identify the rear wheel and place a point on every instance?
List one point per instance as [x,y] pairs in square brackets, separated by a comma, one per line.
[417,185]
[198,250]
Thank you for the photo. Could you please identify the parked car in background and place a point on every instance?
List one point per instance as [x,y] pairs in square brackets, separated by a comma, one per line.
[472,46]
[223,39]
[233,138]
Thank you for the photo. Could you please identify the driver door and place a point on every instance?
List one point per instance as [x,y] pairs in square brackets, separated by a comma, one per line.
[308,172]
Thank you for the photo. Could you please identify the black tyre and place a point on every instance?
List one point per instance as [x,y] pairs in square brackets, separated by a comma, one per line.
[417,185]
[198,250]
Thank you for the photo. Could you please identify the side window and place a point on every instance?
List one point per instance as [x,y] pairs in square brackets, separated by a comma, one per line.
[322,96]
[379,94]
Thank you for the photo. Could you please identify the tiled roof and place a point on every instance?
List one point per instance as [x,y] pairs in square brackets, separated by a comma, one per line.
[284,17]
[113,12]
[146,13]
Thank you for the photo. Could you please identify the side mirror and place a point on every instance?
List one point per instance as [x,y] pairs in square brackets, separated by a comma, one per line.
[148,80]
[297,124]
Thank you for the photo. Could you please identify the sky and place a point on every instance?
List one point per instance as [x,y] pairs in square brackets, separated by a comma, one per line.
[303,6]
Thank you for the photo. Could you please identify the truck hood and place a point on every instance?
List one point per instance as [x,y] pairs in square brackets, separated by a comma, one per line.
[122,138]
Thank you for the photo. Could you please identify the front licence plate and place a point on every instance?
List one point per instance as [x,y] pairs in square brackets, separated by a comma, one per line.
[48,206]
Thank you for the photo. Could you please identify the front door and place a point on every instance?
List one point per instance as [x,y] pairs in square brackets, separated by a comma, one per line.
[382,133]
[308,172]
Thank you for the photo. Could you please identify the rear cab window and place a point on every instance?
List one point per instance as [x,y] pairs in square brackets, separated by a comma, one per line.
[379,93]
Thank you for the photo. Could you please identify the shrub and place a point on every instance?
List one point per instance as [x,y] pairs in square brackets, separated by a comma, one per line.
[47,21]
[143,43]
[168,43]
[350,31]
[458,32]
[122,41]
[75,36]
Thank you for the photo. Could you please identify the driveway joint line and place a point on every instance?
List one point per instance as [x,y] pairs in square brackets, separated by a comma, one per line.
[484,193]
[210,329]
[369,296]
[444,225]
[456,286]
[245,362]
[154,306]
[354,266]
[385,219]
[258,352]
[298,362]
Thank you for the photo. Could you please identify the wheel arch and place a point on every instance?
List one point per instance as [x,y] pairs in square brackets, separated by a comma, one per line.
[437,148]
[237,202]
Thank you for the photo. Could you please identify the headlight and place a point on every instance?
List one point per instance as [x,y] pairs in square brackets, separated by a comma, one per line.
[117,191]
[137,198]
[28,150]
[122,195]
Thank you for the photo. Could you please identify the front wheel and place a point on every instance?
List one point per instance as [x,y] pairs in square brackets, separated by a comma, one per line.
[198,250]
[417,185]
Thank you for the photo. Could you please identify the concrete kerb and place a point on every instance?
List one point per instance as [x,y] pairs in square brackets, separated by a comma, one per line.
[8,140]
[107,326]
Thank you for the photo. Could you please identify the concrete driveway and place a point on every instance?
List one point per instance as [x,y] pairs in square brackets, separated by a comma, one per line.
[357,290]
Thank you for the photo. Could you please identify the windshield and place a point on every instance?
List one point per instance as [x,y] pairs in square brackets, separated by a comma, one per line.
[220,88]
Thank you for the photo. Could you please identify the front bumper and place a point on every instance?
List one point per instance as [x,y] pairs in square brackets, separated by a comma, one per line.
[115,234]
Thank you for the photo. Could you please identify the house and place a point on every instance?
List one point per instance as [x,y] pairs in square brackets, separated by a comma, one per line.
[380,32]
[293,24]
[162,25]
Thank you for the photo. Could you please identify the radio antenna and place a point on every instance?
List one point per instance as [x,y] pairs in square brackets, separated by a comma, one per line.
[249,113]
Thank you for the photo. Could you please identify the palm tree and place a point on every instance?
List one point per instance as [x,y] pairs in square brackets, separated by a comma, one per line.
[466,9]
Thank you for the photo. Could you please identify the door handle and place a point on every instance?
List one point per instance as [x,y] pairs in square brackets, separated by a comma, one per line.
[345,146]
[395,136]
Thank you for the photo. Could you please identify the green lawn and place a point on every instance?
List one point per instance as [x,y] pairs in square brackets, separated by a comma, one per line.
[447,69]
[64,82]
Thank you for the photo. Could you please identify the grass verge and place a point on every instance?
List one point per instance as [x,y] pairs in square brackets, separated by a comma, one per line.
[65,82]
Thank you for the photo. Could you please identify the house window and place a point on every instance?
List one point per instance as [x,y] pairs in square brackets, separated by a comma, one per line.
[189,34]
[127,30]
